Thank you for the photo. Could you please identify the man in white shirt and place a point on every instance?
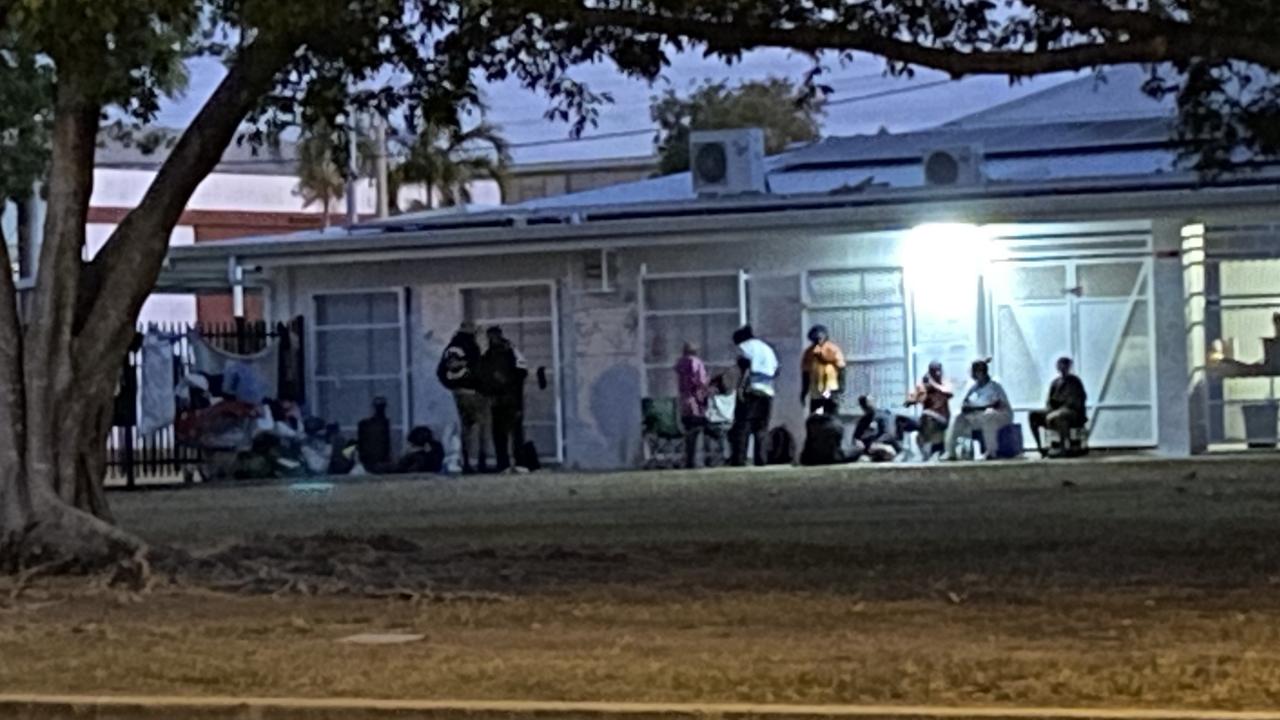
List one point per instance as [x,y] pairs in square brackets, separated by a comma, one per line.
[985,408]
[759,366]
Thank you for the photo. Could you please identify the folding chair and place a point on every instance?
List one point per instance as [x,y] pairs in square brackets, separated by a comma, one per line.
[663,436]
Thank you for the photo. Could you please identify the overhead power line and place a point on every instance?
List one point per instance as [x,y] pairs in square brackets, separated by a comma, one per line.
[642,131]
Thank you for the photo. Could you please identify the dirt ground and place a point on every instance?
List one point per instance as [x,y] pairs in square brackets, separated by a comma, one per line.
[1101,583]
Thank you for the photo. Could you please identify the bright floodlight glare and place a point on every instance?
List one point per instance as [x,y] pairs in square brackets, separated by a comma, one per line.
[943,260]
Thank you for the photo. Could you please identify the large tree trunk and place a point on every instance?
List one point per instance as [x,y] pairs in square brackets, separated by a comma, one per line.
[58,377]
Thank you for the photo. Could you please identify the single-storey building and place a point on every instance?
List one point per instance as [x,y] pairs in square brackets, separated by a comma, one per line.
[1022,234]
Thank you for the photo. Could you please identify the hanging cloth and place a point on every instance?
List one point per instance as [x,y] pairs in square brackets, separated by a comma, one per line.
[156,393]
[248,378]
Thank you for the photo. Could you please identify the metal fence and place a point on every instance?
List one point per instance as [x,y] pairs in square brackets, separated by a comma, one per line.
[134,459]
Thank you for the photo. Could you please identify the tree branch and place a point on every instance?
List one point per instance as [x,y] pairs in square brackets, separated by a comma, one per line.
[1150,39]
[836,37]
[1190,39]
[125,271]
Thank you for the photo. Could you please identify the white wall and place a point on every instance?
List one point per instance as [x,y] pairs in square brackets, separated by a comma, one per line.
[255,193]
[602,367]
[159,308]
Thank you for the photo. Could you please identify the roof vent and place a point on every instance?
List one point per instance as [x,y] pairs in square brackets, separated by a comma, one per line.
[727,162]
[953,167]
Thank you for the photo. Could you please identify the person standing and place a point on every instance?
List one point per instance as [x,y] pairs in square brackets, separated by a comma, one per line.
[759,365]
[933,394]
[1065,408]
[693,389]
[985,408]
[502,376]
[822,370]
[458,372]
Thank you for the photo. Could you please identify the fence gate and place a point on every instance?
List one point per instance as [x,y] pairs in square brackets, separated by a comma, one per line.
[158,457]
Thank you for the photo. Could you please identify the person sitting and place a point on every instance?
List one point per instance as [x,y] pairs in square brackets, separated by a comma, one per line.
[425,455]
[876,435]
[933,394]
[1064,410]
[985,409]
[823,441]
[316,450]
[373,438]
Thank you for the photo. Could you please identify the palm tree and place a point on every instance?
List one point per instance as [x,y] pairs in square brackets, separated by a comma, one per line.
[320,178]
[446,160]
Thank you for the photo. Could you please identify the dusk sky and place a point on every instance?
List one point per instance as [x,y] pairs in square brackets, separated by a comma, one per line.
[912,103]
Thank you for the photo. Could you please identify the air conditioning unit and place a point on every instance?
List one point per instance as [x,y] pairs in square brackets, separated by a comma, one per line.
[727,162]
[953,167]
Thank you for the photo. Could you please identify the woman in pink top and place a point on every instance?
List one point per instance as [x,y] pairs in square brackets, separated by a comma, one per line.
[693,387]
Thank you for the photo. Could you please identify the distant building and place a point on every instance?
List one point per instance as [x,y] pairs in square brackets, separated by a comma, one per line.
[533,181]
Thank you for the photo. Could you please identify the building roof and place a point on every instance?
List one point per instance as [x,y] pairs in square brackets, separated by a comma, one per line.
[1112,94]
[1049,151]
[239,158]
[1034,167]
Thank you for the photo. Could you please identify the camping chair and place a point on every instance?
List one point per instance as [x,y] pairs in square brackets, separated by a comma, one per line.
[663,436]
[1075,444]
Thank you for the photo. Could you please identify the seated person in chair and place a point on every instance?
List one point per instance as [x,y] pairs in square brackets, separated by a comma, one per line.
[1064,411]
[985,409]
[933,395]
[877,433]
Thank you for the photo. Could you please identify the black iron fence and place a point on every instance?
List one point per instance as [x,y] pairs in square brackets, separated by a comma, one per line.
[133,458]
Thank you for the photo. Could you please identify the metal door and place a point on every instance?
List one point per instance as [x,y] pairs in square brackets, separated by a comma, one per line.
[1099,313]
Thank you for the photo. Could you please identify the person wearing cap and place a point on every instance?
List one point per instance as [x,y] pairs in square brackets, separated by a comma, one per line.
[933,394]
[985,409]
[759,365]
[1065,408]
[822,369]
[458,372]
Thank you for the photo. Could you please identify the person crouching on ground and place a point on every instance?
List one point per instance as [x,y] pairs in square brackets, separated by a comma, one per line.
[985,408]
[425,456]
[876,434]
[822,369]
[693,387]
[759,365]
[1065,408]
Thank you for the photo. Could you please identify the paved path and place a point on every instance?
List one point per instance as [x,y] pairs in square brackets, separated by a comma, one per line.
[249,708]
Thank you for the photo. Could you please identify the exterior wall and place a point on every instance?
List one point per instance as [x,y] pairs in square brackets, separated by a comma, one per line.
[603,372]
[1173,381]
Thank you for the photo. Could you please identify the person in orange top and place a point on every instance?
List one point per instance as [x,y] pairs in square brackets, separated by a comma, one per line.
[822,373]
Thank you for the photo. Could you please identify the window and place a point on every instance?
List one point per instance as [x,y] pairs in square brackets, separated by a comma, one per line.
[359,355]
[865,312]
[700,309]
[527,315]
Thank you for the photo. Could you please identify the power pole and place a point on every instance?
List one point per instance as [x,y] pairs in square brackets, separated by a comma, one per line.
[380,166]
[353,169]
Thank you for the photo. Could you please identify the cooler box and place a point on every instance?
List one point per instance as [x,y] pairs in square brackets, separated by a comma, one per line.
[1009,441]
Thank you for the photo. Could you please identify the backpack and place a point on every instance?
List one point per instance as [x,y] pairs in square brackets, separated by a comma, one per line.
[781,447]
[527,457]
